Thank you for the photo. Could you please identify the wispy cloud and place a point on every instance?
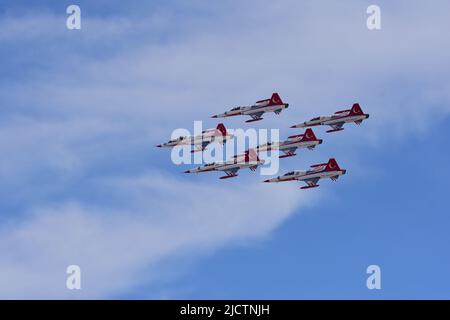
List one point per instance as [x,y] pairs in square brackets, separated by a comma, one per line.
[166,218]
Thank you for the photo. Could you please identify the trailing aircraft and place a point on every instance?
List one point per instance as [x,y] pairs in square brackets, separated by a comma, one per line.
[318,171]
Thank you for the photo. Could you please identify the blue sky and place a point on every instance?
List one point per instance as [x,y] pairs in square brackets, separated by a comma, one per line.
[82,183]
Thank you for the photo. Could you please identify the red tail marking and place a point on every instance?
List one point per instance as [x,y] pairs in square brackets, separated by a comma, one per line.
[222,129]
[356,109]
[332,165]
[251,156]
[275,100]
[309,135]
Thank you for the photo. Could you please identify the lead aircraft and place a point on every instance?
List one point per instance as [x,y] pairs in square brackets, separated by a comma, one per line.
[338,119]
[255,111]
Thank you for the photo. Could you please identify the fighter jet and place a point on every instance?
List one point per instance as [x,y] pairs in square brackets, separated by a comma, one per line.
[219,134]
[312,176]
[249,160]
[274,104]
[288,147]
[338,119]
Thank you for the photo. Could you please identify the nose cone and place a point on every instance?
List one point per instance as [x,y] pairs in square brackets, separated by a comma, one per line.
[287,105]
[268,180]
[187,171]
[367,116]
[294,126]
[214,116]
[320,141]
[344,171]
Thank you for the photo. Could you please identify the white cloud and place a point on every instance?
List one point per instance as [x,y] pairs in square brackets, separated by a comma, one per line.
[169,217]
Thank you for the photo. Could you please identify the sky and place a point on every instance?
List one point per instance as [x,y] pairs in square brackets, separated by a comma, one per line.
[82,183]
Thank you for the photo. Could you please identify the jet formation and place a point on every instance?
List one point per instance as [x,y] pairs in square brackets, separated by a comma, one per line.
[250,159]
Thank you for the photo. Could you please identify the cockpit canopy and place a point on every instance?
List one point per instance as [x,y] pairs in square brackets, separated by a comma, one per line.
[177,139]
[318,118]
[289,173]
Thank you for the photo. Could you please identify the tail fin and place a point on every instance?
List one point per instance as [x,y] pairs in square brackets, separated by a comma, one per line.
[356,109]
[222,129]
[275,99]
[251,156]
[309,135]
[332,165]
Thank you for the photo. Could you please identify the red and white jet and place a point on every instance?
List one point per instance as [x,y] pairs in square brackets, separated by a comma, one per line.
[288,147]
[312,176]
[249,160]
[255,111]
[338,119]
[219,134]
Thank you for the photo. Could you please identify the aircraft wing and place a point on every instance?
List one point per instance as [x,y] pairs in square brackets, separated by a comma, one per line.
[257,115]
[230,173]
[312,182]
[337,125]
[289,151]
[202,146]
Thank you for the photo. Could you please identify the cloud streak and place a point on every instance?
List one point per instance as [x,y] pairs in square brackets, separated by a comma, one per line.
[167,218]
